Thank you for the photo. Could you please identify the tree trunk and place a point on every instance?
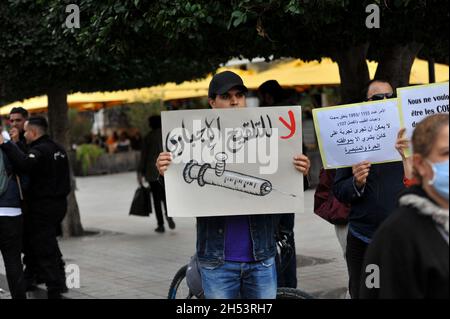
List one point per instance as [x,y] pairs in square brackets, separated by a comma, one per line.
[353,71]
[396,62]
[59,131]
[431,71]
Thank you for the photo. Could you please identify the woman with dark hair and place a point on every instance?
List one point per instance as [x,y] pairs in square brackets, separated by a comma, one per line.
[371,190]
[409,254]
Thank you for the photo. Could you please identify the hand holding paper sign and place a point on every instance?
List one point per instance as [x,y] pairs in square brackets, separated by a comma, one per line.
[163,162]
[401,145]
[302,164]
[360,173]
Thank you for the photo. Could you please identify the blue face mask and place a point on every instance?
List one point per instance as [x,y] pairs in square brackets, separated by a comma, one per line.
[440,178]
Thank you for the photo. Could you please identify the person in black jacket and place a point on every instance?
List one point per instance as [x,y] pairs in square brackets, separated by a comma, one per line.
[270,93]
[371,190]
[47,165]
[11,228]
[409,254]
[17,118]
[151,148]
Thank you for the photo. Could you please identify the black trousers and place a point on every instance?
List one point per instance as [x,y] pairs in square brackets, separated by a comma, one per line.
[356,250]
[42,224]
[11,248]
[33,275]
[287,261]
[159,197]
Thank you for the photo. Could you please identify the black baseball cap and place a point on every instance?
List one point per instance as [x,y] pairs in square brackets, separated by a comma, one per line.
[222,82]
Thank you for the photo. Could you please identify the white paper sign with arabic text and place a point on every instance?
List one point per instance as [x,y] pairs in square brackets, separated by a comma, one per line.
[350,134]
[233,161]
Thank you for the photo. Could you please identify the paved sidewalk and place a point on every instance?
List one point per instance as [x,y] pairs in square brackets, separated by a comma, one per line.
[125,258]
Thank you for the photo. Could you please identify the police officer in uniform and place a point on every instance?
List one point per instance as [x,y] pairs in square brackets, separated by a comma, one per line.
[17,118]
[47,166]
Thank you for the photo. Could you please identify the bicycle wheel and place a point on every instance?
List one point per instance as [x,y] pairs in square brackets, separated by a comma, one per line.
[178,288]
[292,293]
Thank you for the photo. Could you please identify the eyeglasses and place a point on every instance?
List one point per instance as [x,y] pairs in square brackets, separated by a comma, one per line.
[381,96]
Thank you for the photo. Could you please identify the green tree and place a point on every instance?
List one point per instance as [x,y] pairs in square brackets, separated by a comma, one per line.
[80,126]
[310,30]
[35,61]
[138,115]
[131,44]
[40,55]
[32,63]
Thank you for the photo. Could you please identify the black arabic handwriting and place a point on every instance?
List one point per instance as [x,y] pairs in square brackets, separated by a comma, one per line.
[176,142]
[363,149]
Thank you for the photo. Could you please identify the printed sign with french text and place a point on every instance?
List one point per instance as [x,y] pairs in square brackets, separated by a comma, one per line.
[420,101]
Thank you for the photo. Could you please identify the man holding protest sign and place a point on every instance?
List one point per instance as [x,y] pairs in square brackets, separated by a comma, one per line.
[371,190]
[236,253]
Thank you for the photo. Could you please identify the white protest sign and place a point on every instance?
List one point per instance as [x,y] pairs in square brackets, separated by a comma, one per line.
[350,134]
[418,102]
[233,161]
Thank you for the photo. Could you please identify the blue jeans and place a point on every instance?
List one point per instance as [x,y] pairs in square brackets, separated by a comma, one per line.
[233,280]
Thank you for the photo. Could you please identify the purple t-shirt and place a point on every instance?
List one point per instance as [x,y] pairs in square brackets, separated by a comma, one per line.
[238,240]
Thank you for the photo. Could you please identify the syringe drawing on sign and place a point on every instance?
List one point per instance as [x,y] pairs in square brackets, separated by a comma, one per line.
[207,175]
[218,176]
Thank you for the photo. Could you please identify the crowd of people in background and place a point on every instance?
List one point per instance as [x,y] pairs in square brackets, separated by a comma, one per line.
[116,142]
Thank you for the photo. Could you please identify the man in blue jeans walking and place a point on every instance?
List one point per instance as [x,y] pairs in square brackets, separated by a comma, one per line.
[236,253]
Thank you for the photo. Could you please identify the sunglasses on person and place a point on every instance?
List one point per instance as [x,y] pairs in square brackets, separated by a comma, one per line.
[381,96]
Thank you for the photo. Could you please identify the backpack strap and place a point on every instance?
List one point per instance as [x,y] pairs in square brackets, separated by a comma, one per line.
[19,185]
